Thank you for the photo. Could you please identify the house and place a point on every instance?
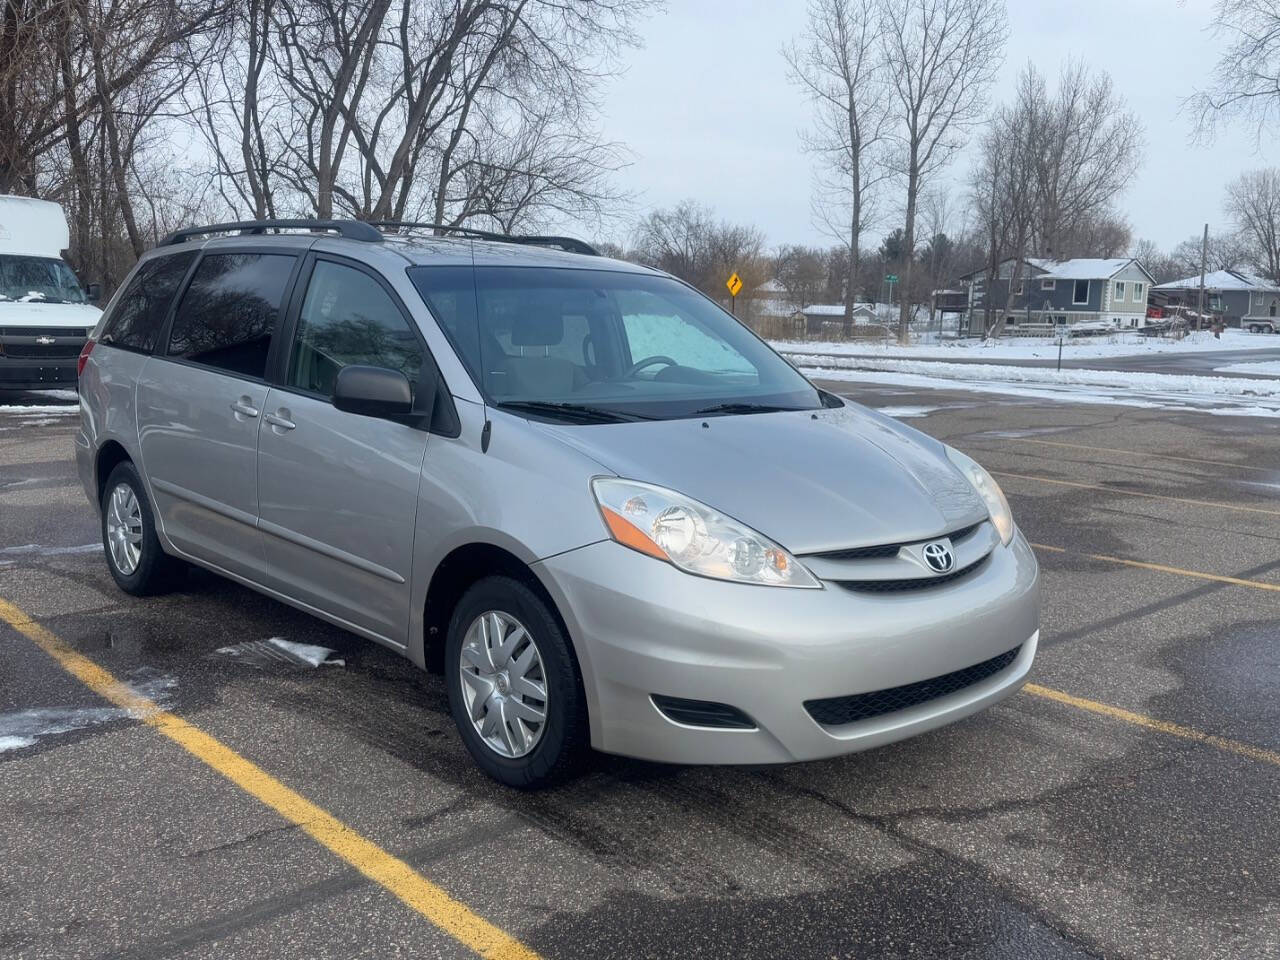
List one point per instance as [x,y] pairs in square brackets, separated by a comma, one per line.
[1071,292]
[1236,296]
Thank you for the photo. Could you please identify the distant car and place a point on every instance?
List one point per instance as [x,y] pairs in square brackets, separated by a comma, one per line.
[45,316]
[603,507]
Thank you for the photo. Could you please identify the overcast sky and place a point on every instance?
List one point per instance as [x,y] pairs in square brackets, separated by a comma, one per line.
[707,110]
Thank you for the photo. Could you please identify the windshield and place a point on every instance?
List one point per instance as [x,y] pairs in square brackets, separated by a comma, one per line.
[38,280]
[561,340]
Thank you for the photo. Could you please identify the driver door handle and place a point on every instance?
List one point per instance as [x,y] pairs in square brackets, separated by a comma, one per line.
[244,408]
[282,423]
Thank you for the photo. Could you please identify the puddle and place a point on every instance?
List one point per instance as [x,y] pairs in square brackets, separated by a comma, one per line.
[277,650]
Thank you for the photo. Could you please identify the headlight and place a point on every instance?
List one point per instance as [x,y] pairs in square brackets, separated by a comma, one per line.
[692,536]
[988,490]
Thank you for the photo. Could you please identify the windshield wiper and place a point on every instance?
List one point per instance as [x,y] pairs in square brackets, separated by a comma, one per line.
[579,412]
[739,407]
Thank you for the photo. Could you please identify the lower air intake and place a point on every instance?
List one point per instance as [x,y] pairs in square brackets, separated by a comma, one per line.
[835,711]
[703,713]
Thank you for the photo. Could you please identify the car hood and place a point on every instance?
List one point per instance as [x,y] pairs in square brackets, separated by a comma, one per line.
[14,313]
[813,481]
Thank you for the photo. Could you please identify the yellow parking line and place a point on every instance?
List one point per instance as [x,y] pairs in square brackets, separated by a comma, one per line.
[1138,493]
[1134,453]
[1161,568]
[1161,726]
[393,874]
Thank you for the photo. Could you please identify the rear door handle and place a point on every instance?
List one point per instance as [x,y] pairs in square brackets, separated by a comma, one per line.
[244,408]
[279,421]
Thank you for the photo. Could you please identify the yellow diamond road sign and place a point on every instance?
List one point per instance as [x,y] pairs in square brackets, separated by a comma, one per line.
[734,283]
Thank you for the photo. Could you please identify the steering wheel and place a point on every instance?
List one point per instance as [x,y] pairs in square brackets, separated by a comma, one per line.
[649,362]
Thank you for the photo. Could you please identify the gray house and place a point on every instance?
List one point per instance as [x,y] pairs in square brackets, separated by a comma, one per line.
[1239,297]
[1111,292]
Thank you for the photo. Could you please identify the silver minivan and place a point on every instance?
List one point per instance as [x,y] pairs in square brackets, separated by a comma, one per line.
[609,514]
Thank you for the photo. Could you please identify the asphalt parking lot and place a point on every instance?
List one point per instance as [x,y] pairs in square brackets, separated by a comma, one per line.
[1124,805]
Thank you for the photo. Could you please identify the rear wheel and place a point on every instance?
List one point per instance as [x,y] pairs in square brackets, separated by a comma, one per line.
[514,687]
[137,563]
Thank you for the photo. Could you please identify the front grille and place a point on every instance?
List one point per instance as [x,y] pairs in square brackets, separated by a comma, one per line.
[43,331]
[42,350]
[835,711]
[703,713]
[885,550]
[912,583]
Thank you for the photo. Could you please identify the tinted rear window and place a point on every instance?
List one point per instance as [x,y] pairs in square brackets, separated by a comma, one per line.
[139,314]
[228,315]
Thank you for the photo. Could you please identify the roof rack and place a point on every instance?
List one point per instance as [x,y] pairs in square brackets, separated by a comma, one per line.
[348,229]
[569,244]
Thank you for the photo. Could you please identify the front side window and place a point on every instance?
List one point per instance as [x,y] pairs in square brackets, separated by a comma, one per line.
[622,342]
[228,315]
[1081,293]
[38,280]
[139,312]
[348,318]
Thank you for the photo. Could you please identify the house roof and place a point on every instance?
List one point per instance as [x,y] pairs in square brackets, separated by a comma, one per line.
[834,309]
[1082,268]
[1221,280]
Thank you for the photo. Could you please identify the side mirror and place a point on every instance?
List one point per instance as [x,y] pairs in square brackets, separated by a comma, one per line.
[93,292]
[373,392]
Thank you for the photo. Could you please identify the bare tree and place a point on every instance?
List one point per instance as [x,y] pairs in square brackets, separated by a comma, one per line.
[840,67]
[1087,146]
[1227,251]
[942,56]
[689,242]
[1253,201]
[1245,85]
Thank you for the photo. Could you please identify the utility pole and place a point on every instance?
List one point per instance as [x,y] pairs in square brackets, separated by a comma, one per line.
[1204,257]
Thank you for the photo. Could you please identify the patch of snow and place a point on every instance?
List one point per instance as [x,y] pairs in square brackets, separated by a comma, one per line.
[306,652]
[1139,383]
[906,412]
[28,549]
[23,728]
[1064,393]
[46,409]
[1039,348]
[1263,369]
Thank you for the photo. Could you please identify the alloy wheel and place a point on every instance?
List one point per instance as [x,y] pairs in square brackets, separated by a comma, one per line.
[124,529]
[504,685]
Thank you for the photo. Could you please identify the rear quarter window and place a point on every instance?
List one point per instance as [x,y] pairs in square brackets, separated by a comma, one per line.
[139,314]
[228,316]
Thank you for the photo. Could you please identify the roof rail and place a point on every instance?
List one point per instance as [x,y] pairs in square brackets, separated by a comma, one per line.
[569,244]
[348,229]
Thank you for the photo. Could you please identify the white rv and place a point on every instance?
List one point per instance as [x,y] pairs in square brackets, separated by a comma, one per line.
[45,316]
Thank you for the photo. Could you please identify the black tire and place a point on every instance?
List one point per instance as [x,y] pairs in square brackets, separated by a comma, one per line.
[156,571]
[565,739]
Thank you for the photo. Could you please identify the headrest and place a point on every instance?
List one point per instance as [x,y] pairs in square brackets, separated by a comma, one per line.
[538,325]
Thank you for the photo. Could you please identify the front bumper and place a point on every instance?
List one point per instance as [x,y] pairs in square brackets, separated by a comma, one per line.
[21,373]
[642,627]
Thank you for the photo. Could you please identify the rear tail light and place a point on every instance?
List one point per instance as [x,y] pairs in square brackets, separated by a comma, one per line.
[84,356]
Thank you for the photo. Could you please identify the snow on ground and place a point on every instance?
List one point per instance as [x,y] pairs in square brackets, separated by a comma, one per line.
[1165,383]
[42,409]
[306,652]
[23,728]
[28,549]
[1268,369]
[1067,390]
[907,412]
[1041,348]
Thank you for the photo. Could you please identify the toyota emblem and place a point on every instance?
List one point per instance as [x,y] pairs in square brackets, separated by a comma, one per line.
[938,556]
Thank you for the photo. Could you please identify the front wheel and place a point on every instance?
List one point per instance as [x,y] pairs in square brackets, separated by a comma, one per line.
[514,687]
[137,563]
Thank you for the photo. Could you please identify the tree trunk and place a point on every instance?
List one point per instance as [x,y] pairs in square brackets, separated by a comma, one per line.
[908,255]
